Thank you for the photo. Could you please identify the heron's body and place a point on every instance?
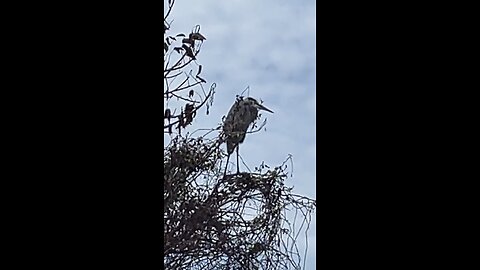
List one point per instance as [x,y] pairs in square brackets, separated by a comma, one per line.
[239,118]
[241,115]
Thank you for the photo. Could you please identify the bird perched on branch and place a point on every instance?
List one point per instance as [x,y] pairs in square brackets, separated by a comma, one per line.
[243,113]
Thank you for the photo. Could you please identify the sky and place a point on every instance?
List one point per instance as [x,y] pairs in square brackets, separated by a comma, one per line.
[269,46]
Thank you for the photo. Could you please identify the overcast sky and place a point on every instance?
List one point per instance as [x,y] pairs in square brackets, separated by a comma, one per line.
[268,45]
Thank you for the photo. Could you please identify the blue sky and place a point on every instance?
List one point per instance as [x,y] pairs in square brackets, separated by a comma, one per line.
[269,46]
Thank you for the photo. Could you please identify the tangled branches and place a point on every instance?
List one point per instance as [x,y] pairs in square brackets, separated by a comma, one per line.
[236,221]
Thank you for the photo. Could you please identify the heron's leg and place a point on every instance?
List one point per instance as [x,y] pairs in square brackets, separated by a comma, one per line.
[226,166]
[238,165]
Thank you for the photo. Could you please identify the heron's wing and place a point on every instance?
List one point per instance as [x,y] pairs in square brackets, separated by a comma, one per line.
[236,124]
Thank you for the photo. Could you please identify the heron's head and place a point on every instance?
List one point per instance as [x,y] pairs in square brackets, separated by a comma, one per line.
[256,104]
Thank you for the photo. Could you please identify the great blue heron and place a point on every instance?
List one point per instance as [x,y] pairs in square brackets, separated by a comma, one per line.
[242,113]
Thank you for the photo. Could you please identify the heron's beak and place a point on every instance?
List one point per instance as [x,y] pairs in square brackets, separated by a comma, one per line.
[261,107]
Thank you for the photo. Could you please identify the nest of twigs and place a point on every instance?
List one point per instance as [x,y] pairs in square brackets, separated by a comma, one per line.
[232,221]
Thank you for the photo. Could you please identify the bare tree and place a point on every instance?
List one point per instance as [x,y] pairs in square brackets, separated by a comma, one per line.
[213,219]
